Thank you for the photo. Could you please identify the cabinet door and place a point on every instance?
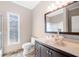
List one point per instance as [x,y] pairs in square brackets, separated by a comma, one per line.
[37,50]
[56,54]
[44,51]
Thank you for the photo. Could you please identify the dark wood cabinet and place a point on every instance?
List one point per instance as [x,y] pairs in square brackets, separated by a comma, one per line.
[43,50]
[37,50]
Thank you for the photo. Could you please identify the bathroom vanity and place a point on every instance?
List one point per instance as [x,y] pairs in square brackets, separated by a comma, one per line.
[47,48]
[65,21]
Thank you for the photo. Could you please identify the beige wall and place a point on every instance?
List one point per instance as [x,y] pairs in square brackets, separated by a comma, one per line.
[25,24]
[38,18]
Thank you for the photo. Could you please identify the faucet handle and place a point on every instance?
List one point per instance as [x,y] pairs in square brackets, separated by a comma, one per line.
[55,38]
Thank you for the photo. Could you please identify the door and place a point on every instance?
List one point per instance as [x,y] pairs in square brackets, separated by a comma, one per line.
[44,51]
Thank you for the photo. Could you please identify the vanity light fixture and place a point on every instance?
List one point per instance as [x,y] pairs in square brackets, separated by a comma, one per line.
[58,4]
[51,7]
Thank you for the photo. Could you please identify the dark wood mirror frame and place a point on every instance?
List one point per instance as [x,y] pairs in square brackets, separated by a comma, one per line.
[70,33]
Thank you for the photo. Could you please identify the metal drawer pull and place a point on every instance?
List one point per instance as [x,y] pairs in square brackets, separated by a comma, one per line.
[49,53]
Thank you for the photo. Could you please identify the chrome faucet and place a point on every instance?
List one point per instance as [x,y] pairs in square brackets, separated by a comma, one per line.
[58,38]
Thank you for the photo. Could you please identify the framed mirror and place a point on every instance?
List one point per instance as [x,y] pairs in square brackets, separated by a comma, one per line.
[55,21]
[63,20]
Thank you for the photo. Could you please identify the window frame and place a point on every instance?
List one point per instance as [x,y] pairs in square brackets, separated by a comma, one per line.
[8,27]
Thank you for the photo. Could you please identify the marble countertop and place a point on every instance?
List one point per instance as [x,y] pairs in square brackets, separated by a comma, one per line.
[67,46]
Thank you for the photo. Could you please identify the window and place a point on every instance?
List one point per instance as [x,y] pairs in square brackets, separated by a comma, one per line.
[13,28]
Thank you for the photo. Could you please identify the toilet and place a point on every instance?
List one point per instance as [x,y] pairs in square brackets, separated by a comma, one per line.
[29,48]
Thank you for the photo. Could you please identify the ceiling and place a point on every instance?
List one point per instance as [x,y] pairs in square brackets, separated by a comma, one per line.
[28,4]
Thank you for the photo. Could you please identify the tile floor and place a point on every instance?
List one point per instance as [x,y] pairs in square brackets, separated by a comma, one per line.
[18,54]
